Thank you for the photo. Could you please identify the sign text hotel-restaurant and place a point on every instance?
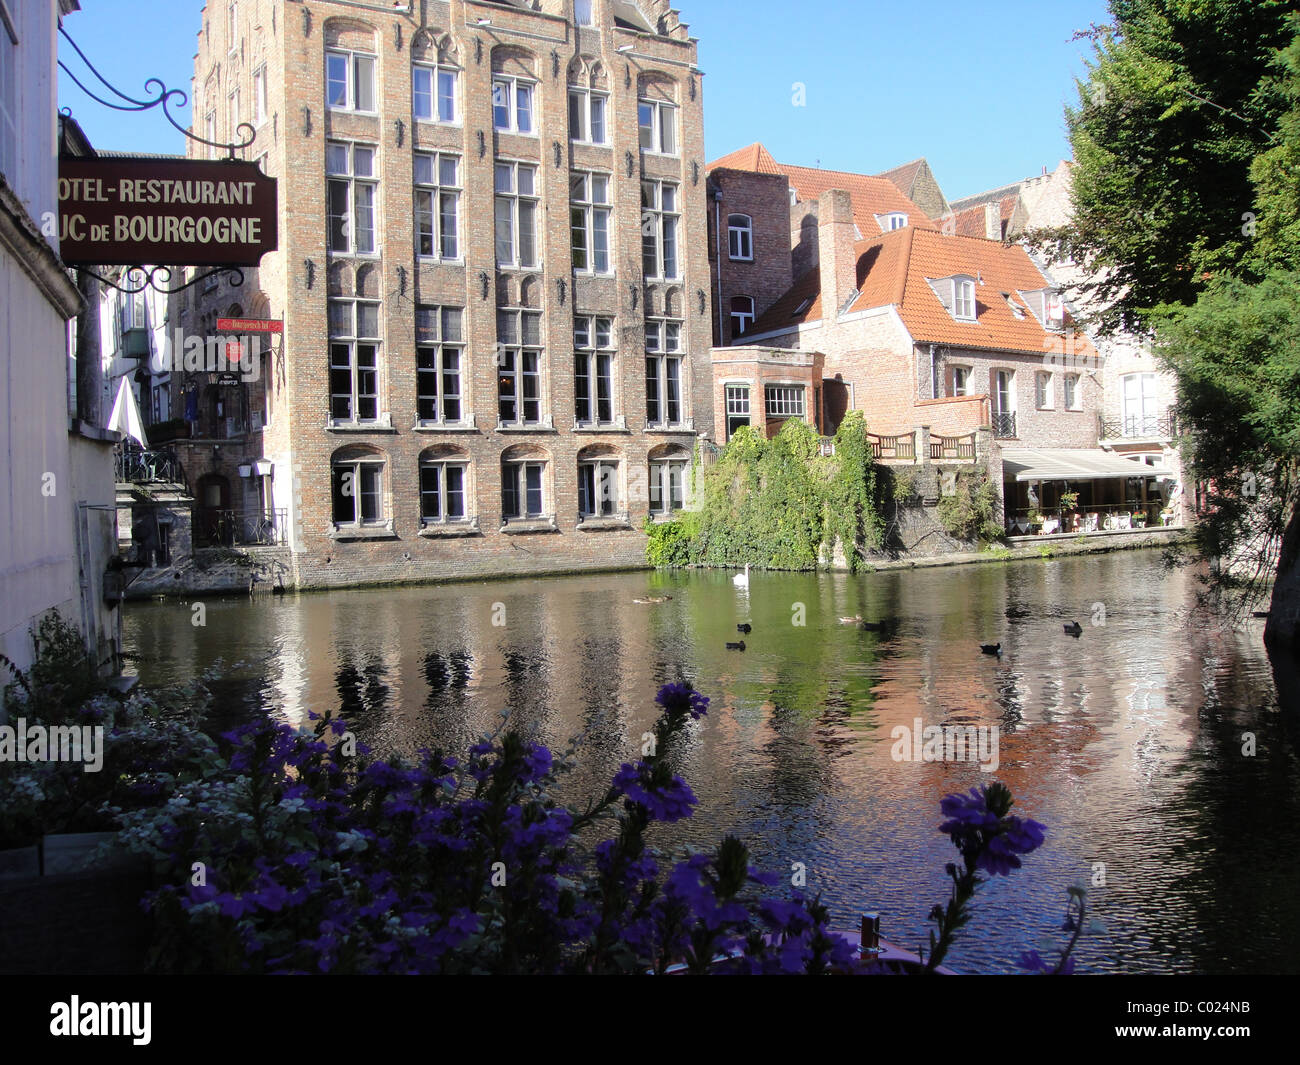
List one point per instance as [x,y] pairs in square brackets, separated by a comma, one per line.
[165,212]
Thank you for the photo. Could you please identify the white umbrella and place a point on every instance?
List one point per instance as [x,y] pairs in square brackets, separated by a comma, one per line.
[125,418]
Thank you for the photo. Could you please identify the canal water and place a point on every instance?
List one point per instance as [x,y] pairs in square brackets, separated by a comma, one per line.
[1127,742]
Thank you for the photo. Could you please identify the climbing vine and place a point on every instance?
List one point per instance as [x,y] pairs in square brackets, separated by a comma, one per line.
[969,513]
[777,503]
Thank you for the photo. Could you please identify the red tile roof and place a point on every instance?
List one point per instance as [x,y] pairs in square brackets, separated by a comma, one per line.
[871,195]
[895,270]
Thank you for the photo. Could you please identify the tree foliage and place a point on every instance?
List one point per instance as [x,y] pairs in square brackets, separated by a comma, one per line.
[1187,206]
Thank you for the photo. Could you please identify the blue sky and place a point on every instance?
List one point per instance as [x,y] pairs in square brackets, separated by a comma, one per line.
[976,86]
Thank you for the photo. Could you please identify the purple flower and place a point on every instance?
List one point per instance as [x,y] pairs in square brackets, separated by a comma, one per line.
[680,699]
[664,800]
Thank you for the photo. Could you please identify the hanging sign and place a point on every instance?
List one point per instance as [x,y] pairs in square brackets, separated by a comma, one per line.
[165,212]
[250,325]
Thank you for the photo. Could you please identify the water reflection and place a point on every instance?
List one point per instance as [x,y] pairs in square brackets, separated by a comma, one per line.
[1127,742]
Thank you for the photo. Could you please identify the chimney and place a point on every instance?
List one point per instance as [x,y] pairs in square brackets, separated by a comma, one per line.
[993,220]
[839,263]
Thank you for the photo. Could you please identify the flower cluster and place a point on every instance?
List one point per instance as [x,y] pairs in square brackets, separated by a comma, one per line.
[986,834]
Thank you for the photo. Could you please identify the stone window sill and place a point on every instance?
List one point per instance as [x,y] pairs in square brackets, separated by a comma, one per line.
[467,426]
[384,424]
[540,427]
[619,425]
[450,530]
[527,526]
[607,524]
[664,519]
[380,531]
[688,426]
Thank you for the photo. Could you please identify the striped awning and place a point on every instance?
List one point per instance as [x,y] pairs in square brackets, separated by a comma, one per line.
[1072,464]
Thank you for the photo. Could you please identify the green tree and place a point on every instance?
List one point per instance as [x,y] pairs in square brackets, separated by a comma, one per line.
[1186,139]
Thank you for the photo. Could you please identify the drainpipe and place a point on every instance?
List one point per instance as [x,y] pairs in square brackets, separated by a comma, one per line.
[717,239]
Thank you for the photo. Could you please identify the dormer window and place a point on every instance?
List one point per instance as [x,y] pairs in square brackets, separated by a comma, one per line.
[963,299]
[893,220]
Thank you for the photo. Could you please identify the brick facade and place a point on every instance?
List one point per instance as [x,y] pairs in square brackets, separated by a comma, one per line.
[480,42]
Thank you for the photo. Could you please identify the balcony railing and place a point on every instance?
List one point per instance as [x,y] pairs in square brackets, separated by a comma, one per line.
[137,466]
[228,526]
[893,447]
[952,448]
[1121,517]
[1144,427]
[1004,424]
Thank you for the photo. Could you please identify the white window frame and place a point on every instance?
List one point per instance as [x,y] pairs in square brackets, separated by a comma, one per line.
[432,197]
[583,107]
[665,475]
[440,469]
[354,63]
[963,299]
[603,472]
[521,206]
[508,86]
[742,319]
[737,403]
[593,344]
[356,186]
[664,353]
[517,471]
[514,350]
[995,393]
[740,238]
[232,27]
[663,136]
[961,380]
[660,228]
[1070,391]
[785,401]
[1043,398]
[592,218]
[435,72]
[354,339]
[439,333]
[584,13]
[259,96]
[233,106]
[372,465]
[892,220]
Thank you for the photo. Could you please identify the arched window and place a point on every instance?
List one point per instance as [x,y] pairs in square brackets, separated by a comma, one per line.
[599,494]
[523,483]
[445,497]
[740,237]
[669,467]
[358,487]
[350,60]
[742,314]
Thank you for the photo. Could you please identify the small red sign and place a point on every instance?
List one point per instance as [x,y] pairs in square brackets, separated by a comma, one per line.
[250,325]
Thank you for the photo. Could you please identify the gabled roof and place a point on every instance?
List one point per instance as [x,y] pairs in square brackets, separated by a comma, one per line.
[904,176]
[755,158]
[896,270]
[872,196]
[980,198]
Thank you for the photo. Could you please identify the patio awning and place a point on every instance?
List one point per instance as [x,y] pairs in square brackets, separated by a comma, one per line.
[1071,464]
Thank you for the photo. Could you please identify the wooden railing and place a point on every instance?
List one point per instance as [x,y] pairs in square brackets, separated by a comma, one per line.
[893,447]
[952,448]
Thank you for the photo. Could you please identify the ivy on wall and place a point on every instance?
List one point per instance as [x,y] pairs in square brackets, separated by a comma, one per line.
[970,512]
[776,504]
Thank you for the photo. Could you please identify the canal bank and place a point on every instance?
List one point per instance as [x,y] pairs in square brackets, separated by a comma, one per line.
[254,571]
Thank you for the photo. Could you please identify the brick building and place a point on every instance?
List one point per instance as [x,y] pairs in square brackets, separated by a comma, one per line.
[492,275]
[953,346]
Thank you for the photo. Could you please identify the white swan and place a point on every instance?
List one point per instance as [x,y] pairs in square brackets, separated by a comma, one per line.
[741,580]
